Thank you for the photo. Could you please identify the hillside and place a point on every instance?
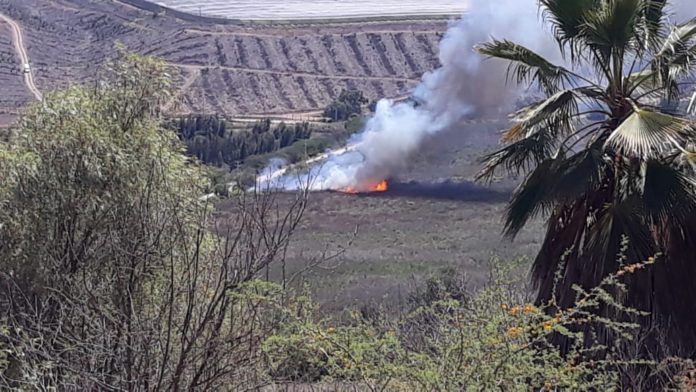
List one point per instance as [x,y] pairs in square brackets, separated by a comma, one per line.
[224,68]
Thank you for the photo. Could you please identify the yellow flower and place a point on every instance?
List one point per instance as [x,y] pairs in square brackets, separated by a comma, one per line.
[514,332]
[504,307]
[530,309]
[548,324]
[331,330]
[515,311]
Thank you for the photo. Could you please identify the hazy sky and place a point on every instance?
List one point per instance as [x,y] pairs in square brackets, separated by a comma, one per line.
[298,9]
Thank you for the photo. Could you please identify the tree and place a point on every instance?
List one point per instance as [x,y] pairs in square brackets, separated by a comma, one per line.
[114,274]
[348,104]
[612,166]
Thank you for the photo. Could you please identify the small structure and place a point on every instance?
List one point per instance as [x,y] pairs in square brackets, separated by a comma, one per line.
[26,68]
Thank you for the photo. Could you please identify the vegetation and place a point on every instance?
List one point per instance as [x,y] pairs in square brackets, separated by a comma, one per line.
[209,139]
[491,340]
[607,154]
[115,274]
[348,104]
[110,277]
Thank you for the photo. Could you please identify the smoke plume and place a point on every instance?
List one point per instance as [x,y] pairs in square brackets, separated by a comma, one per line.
[464,86]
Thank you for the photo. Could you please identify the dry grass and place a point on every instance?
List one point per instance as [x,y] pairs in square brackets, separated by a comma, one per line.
[404,235]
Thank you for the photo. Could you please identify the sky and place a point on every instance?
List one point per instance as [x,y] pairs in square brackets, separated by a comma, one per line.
[304,9]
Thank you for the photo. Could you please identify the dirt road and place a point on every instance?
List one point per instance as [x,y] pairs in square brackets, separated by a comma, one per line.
[18,40]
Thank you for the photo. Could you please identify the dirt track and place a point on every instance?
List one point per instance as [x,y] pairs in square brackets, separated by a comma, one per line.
[18,40]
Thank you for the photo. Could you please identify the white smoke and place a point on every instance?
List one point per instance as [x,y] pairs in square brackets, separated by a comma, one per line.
[463,85]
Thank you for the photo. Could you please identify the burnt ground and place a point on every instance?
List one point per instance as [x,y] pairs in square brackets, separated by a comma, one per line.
[433,217]
[230,69]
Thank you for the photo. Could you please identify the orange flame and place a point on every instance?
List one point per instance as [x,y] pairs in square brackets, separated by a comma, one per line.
[381,186]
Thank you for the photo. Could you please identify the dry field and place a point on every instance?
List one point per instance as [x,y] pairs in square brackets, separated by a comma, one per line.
[433,217]
[314,9]
[224,67]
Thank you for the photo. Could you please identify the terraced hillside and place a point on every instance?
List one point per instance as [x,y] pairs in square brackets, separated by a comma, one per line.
[228,68]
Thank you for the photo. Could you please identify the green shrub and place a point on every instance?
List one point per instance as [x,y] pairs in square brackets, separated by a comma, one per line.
[491,340]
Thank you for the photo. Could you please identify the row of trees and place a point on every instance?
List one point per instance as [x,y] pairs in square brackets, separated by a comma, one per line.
[209,139]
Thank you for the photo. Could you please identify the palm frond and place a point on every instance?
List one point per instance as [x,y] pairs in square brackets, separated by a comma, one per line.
[613,26]
[613,224]
[532,197]
[535,133]
[558,181]
[558,109]
[668,196]
[685,160]
[521,155]
[645,80]
[578,174]
[677,56]
[681,64]
[526,65]
[653,21]
[567,18]
[645,134]
[691,109]
[678,39]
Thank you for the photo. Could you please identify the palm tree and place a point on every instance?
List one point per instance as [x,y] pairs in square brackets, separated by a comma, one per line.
[607,156]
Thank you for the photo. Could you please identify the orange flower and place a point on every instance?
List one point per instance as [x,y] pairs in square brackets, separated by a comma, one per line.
[548,324]
[530,309]
[515,311]
[514,332]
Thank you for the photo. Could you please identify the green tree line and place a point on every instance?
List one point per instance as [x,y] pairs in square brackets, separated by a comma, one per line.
[212,141]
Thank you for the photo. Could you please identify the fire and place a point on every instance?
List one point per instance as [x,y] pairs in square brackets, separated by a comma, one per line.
[381,186]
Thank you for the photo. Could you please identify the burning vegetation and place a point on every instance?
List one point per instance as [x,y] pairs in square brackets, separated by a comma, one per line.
[381,186]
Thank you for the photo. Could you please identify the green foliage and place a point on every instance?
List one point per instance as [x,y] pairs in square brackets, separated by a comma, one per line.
[110,275]
[77,167]
[209,139]
[348,104]
[355,124]
[491,340]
